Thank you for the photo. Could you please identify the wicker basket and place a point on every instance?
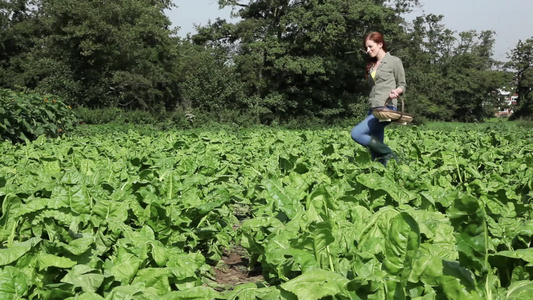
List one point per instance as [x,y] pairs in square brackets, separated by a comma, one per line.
[393,115]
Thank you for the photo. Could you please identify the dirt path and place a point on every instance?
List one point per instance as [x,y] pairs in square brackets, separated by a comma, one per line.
[234,270]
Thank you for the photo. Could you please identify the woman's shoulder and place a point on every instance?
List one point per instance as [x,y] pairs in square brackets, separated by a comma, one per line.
[392,58]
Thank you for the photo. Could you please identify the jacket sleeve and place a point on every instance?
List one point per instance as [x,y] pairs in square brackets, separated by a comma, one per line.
[399,74]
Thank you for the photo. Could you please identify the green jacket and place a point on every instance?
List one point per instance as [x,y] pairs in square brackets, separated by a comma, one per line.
[389,76]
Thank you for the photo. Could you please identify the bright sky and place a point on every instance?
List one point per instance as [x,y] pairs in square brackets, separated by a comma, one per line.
[512,20]
[196,12]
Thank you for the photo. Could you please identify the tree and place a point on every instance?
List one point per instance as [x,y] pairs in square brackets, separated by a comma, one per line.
[301,58]
[450,77]
[284,59]
[19,27]
[104,53]
[424,49]
[472,76]
[208,84]
[521,64]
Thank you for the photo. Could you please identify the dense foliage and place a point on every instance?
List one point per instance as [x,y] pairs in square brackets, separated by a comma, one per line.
[450,78]
[95,53]
[25,116]
[522,62]
[280,61]
[112,214]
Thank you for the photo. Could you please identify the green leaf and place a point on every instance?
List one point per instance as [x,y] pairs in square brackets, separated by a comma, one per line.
[10,203]
[243,291]
[129,292]
[436,227]
[320,201]
[185,266]
[195,293]
[403,242]
[84,277]
[18,249]
[467,216]
[281,199]
[322,238]
[13,283]
[287,162]
[377,182]
[156,278]
[87,167]
[252,291]
[454,273]
[111,211]
[159,253]
[291,259]
[455,281]
[76,197]
[374,230]
[80,246]
[125,266]
[89,296]
[316,284]
[523,254]
[471,249]
[520,290]
[49,260]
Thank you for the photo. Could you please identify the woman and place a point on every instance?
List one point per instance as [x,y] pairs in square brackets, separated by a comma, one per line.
[386,77]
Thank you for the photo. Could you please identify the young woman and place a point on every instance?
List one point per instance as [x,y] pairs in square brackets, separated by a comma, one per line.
[386,77]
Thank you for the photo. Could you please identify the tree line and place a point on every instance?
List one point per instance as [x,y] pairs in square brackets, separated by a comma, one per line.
[282,60]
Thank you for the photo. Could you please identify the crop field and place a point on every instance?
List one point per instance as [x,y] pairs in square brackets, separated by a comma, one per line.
[267,214]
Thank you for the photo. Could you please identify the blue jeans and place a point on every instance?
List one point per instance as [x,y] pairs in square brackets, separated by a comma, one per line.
[370,127]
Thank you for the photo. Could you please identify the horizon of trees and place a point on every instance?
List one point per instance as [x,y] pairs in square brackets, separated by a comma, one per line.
[283,60]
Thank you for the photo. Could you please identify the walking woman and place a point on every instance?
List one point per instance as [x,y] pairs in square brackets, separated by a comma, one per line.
[386,77]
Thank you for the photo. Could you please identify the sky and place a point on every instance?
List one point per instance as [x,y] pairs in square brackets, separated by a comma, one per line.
[512,20]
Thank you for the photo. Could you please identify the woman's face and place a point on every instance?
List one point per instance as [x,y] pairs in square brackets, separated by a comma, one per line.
[373,48]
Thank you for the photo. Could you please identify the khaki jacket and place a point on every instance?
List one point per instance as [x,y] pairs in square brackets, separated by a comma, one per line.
[389,76]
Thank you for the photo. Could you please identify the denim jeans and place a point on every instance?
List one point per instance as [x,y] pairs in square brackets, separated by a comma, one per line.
[370,127]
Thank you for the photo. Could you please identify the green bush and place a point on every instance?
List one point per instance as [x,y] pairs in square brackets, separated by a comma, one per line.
[27,115]
[114,115]
[99,116]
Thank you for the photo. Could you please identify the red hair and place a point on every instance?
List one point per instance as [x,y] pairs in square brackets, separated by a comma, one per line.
[377,38]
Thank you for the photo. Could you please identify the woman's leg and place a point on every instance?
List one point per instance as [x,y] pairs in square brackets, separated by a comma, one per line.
[368,128]
[370,133]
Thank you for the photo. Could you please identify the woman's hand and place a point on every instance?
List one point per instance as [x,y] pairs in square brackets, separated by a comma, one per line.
[395,93]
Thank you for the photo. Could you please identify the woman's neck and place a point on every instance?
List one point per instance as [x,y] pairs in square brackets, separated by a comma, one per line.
[381,55]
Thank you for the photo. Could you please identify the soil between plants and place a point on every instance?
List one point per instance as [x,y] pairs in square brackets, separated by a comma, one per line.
[234,270]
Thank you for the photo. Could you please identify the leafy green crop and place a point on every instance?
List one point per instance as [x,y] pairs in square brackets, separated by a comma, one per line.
[116,215]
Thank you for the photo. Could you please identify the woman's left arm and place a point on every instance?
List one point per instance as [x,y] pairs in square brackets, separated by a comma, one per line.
[399,75]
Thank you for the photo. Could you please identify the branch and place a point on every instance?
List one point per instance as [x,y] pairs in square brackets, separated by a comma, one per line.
[232,2]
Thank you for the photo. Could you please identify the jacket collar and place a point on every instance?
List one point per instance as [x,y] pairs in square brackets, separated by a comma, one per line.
[386,57]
